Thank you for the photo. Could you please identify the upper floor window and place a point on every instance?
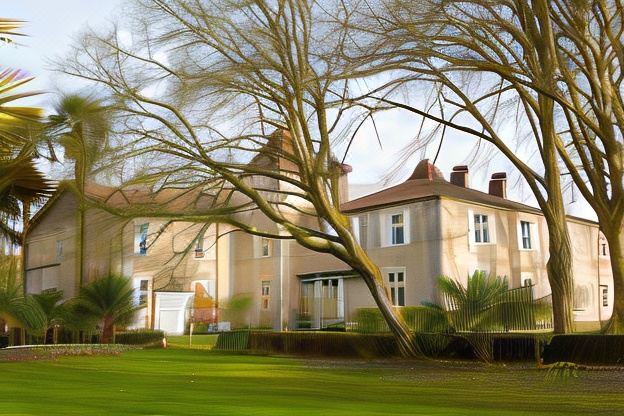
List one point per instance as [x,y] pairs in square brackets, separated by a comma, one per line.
[199,248]
[481,228]
[265,247]
[59,250]
[525,228]
[140,239]
[397,231]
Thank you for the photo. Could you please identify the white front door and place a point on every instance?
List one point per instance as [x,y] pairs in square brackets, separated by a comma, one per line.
[171,310]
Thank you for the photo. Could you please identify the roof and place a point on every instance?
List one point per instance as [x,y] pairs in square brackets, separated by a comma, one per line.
[187,200]
[426,183]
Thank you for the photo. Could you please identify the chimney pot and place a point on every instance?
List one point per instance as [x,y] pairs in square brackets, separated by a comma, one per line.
[459,176]
[498,185]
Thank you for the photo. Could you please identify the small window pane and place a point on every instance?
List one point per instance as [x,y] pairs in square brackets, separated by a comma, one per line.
[400,276]
[391,277]
[401,301]
[392,292]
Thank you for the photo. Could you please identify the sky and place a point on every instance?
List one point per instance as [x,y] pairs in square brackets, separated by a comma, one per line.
[52,25]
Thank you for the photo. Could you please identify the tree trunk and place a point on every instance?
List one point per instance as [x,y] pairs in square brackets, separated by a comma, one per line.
[559,268]
[108,331]
[405,338]
[616,245]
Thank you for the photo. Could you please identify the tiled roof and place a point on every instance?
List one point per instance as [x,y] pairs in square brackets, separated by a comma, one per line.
[427,182]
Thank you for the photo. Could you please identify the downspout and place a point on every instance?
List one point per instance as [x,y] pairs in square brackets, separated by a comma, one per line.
[599,304]
[281,279]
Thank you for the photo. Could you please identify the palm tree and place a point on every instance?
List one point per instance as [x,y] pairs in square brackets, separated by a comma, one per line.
[109,299]
[17,310]
[49,302]
[20,182]
[80,125]
[485,304]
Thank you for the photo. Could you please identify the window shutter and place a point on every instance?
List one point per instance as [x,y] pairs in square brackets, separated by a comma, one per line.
[471,228]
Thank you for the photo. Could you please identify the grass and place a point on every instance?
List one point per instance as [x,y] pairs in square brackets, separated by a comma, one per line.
[196,382]
[198,342]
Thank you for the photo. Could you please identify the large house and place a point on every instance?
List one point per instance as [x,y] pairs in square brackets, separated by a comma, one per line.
[416,231]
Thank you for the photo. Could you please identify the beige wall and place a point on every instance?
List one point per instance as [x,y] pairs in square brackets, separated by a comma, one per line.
[438,242]
[504,256]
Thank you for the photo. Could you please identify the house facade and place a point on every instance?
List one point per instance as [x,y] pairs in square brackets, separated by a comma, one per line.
[416,231]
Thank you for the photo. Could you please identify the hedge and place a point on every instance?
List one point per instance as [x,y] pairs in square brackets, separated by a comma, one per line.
[585,349]
[140,337]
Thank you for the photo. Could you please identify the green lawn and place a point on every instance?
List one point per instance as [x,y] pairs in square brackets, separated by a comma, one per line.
[198,342]
[196,382]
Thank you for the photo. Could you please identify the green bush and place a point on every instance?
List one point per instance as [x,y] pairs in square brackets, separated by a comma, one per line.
[585,349]
[418,318]
[140,337]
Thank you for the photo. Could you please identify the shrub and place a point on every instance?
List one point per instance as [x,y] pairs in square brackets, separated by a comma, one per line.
[140,337]
[585,349]
[418,318]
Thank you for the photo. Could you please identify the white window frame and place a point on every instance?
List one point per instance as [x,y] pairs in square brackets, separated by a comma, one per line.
[59,250]
[265,295]
[527,277]
[138,239]
[265,247]
[483,233]
[395,284]
[205,249]
[387,227]
[491,216]
[529,227]
[139,292]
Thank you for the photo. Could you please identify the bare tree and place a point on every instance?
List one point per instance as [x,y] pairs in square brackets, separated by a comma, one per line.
[492,67]
[240,103]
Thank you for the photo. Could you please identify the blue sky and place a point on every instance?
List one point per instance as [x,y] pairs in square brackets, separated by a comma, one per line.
[52,24]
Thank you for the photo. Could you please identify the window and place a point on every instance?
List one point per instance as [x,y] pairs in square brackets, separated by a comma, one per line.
[396,278]
[266,294]
[605,296]
[525,228]
[397,231]
[59,250]
[481,229]
[603,247]
[141,239]
[143,291]
[363,231]
[265,247]
[582,298]
[199,248]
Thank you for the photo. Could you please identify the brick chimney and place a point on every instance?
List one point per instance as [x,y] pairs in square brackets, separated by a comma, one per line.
[498,185]
[459,176]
